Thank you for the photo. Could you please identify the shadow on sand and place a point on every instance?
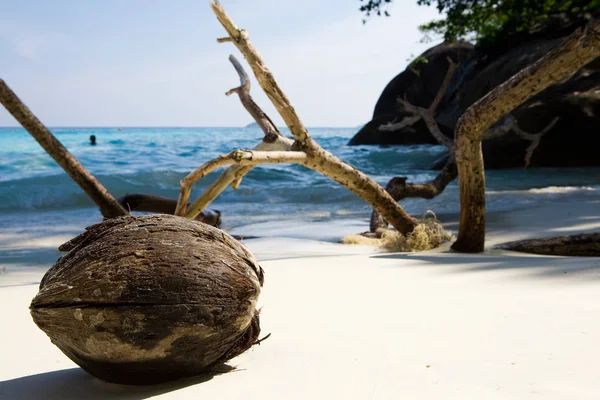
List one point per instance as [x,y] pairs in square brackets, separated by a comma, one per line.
[539,266]
[76,384]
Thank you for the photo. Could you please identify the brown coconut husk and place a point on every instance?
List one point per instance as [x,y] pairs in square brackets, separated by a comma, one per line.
[143,300]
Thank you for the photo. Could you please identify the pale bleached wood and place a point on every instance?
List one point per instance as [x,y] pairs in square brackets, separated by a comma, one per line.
[239,157]
[272,141]
[317,158]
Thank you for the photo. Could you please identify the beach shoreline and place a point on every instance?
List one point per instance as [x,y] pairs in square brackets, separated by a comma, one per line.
[355,322]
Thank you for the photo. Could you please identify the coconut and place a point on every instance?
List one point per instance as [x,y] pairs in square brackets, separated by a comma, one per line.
[143,300]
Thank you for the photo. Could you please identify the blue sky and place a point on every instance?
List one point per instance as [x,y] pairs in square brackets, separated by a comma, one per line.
[157,63]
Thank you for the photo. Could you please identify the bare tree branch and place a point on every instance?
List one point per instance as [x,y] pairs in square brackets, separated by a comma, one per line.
[397,187]
[535,139]
[231,174]
[444,87]
[239,176]
[317,158]
[243,91]
[108,205]
[272,141]
[427,114]
[581,245]
[577,50]
[396,126]
[240,38]
[239,157]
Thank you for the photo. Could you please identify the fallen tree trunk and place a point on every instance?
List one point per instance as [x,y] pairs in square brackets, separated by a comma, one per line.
[583,245]
[577,50]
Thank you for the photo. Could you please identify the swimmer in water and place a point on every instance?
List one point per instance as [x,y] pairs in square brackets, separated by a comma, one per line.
[93,140]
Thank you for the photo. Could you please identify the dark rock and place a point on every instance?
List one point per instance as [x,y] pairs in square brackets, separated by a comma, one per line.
[419,84]
[143,300]
[572,142]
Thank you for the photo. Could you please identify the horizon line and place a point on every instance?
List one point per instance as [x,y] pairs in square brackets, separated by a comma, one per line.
[174,126]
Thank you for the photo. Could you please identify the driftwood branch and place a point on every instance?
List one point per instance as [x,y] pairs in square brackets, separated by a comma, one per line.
[239,176]
[272,141]
[233,175]
[398,187]
[582,245]
[108,205]
[510,123]
[577,50]
[535,139]
[427,114]
[444,87]
[243,91]
[396,126]
[316,158]
[240,38]
[239,157]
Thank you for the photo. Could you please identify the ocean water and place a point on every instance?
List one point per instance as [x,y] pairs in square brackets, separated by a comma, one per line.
[35,191]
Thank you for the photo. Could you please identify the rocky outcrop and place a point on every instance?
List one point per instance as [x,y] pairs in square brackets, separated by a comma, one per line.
[572,142]
[418,84]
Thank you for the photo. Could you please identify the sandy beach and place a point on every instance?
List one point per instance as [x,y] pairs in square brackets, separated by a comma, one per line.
[350,322]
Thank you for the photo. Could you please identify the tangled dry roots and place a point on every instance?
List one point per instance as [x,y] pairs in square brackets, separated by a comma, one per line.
[428,235]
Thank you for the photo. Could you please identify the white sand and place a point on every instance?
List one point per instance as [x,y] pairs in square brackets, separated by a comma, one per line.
[347,323]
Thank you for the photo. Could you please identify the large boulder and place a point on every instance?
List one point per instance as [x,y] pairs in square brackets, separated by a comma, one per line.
[418,84]
[571,142]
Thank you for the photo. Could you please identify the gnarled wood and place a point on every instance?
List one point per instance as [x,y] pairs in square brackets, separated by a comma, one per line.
[316,158]
[399,189]
[583,245]
[272,141]
[109,207]
[397,186]
[239,157]
[577,50]
[239,37]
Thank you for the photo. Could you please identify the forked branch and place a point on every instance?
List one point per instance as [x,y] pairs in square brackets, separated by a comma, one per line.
[579,49]
[316,158]
[240,38]
[398,187]
[272,141]
[510,123]
[238,157]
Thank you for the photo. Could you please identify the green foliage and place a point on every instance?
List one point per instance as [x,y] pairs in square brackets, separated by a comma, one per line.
[489,20]
[377,7]
[414,64]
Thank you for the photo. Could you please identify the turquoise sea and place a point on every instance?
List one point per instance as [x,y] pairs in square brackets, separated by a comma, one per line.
[35,191]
